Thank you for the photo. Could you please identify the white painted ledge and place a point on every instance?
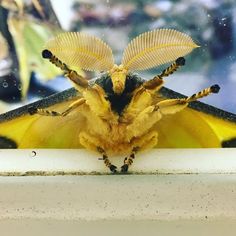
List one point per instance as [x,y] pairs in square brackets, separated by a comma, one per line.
[76,162]
[183,192]
[130,197]
[202,204]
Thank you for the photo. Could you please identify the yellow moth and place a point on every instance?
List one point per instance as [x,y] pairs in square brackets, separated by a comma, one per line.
[118,112]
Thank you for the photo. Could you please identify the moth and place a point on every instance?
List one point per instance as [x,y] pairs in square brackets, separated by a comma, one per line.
[119,113]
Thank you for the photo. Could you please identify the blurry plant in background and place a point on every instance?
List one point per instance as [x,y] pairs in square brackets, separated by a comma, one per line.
[4,48]
[26,26]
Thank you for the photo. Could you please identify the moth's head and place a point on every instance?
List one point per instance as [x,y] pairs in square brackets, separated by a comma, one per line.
[118,77]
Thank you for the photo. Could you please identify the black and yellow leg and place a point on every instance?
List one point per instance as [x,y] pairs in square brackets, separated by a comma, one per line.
[128,161]
[106,160]
[173,67]
[171,106]
[157,81]
[71,74]
[45,112]
[205,92]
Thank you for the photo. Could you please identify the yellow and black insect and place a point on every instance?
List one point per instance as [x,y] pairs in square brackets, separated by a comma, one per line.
[119,112]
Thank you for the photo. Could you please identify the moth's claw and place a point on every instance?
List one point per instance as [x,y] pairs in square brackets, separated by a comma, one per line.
[180,61]
[32,110]
[215,88]
[124,168]
[46,54]
[113,168]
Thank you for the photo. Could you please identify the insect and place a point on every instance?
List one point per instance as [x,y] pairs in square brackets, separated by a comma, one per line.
[119,112]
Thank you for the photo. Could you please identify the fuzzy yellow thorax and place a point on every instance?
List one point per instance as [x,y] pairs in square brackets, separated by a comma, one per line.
[118,77]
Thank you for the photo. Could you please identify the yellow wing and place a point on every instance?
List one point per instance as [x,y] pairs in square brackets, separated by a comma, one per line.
[203,126]
[197,126]
[21,130]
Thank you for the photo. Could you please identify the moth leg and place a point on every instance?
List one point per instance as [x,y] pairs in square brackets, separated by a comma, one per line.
[157,81]
[149,116]
[106,160]
[171,106]
[128,161]
[203,93]
[79,81]
[98,104]
[44,112]
[143,142]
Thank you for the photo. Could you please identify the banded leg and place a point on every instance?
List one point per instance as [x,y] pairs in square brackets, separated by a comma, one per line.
[171,106]
[44,112]
[128,161]
[77,79]
[205,92]
[157,81]
[106,160]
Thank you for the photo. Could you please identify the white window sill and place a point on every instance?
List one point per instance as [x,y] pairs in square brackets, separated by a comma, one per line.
[80,161]
[194,192]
